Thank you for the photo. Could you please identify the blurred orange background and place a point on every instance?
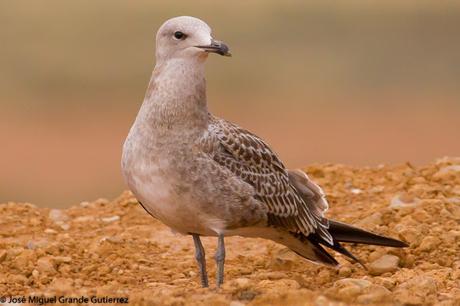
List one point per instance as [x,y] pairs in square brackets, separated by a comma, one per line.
[357,82]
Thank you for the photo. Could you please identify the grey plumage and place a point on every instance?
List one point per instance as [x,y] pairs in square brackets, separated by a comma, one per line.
[202,175]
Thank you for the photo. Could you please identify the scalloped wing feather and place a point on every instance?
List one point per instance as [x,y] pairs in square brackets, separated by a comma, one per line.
[251,159]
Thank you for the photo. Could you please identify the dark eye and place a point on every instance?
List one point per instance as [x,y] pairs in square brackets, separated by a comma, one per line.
[179,35]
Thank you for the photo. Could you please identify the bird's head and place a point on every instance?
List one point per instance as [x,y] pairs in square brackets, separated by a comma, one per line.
[187,37]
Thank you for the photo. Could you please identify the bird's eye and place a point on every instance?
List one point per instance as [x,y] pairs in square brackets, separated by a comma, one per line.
[179,35]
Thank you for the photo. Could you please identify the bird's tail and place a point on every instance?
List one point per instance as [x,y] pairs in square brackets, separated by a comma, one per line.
[312,246]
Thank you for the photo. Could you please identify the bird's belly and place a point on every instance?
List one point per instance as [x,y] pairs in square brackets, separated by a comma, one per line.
[168,198]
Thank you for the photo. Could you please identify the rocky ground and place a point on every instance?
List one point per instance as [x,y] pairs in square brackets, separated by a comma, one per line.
[114,248]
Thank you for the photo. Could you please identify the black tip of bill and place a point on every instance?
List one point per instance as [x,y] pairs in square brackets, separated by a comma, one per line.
[217,47]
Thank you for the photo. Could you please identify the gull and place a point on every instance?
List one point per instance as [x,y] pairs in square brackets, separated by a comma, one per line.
[204,176]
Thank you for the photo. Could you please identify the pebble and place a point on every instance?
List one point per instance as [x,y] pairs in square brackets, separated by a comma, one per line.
[62,285]
[57,215]
[403,200]
[39,243]
[242,282]
[50,231]
[2,255]
[345,271]
[62,259]
[110,219]
[429,243]
[348,288]
[84,219]
[415,290]
[283,259]
[447,172]
[356,191]
[45,265]
[376,294]
[35,273]
[65,226]
[369,221]
[386,263]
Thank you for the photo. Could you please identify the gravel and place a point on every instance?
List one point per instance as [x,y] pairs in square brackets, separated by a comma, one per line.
[114,248]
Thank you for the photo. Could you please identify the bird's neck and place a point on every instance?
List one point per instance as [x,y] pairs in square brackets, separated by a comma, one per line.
[176,96]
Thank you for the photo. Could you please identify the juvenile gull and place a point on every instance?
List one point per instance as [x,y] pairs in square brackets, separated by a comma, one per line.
[204,176]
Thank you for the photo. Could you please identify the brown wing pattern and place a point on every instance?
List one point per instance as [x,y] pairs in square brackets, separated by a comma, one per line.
[252,160]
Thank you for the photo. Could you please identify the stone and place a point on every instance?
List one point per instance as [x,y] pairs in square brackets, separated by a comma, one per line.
[349,288]
[242,282]
[62,285]
[2,255]
[62,259]
[57,215]
[429,243]
[36,244]
[64,226]
[45,265]
[370,221]
[415,290]
[356,191]
[386,263]
[110,219]
[376,294]
[447,172]
[344,271]
[403,200]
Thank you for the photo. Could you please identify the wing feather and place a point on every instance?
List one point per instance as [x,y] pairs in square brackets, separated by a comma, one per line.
[248,157]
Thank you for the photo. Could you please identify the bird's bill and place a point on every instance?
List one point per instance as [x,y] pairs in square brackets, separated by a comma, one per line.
[216,47]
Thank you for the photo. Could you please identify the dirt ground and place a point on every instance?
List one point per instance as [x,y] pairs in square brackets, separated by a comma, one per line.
[115,249]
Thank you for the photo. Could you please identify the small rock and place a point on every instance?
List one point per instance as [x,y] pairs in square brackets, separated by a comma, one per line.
[65,226]
[35,273]
[375,295]
[323,301]
[84,219]
[57,215]
[236,303]
[421,215]
[349,288]
[387,282]
[403,200]
[110,219]
[409,234]
[62,285]
[429,243]
[284,259]
[36,244]
[2,255]
[447,172]
[45,265]
[370,221]
[386,263]
[19,279]
[356,191]
[415,290]
[275,275]
[242,282]
[50,231]
[62,259]
[345,271]
[377,189]
[84,204]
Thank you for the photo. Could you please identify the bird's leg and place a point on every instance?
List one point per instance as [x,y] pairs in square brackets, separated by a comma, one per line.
[201,259]
[220,259]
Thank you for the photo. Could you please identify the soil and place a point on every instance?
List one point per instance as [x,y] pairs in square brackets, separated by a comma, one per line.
[115,249]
